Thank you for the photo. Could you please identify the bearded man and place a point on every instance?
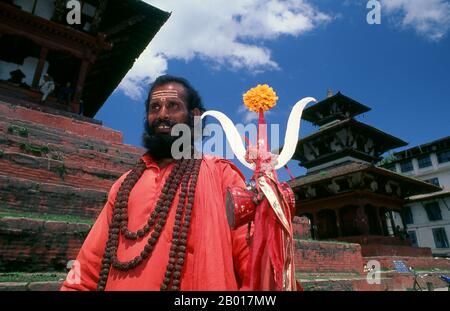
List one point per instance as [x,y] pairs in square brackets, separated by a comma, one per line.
[164,226]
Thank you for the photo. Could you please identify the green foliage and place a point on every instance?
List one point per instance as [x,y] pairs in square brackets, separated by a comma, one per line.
[31,277]
[61,170]
[88,146]
[1,153]
[45,217]
[33,149]
[18,130]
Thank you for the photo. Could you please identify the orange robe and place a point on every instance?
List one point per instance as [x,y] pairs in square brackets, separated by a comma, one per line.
[216,256]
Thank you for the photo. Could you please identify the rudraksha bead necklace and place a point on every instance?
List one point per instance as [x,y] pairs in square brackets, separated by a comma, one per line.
[182,172]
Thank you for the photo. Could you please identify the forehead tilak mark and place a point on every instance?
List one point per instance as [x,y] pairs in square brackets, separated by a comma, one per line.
[165,93]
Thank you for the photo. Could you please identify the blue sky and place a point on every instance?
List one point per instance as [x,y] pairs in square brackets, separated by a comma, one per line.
[400,68]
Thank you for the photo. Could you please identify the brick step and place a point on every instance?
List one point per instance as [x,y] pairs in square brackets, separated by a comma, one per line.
[405,281]
[308,285]
[334,285]
[31,286]
[39,281]
[57,172]
[28,196]
[417,263]
[59,136]
[65,123]
[347,284]
[33,245]
[327,276]
[388,281]
[71,155]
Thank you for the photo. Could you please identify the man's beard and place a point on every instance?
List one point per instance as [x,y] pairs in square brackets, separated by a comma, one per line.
[159,145]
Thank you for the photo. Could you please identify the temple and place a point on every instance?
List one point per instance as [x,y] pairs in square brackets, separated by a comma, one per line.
[344,194]
[85,60]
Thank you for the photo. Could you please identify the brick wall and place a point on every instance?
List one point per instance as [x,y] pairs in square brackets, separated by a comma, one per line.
[394,250]
[315,256]
[301,228]
[51,166]
[57,172]
[22,195]
[61,122]
[30,245]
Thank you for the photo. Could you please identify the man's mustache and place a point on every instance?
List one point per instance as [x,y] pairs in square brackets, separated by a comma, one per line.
[155,124]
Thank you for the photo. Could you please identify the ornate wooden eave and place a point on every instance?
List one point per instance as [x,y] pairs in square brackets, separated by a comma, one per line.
[360,197]
[51,34]
[444,193]
[124,29]
[346,152]
[382,142]
[130,25]
[355,176]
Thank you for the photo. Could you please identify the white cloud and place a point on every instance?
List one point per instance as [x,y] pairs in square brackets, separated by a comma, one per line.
[149,66]
[430,18]
[228,33]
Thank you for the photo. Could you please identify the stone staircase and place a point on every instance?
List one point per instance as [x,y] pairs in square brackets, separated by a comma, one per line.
[55,173]
[22,281]
[338,266]
[389,281]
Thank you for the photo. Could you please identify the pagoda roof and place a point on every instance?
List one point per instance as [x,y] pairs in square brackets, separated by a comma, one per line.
[415,186]
[125,30]
[130,26]
[385,141]
[423,149]
[322,112]
[430,196]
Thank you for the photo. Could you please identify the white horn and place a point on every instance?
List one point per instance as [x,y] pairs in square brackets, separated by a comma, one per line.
[293,127]
[233,137]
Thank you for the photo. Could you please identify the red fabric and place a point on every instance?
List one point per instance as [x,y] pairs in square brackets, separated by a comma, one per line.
[268,253]
[216,255]
[260,275]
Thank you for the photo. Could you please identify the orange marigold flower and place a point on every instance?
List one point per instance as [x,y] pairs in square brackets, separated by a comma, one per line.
[261,97]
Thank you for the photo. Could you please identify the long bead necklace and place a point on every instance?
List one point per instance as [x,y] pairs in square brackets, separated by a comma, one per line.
[182,172]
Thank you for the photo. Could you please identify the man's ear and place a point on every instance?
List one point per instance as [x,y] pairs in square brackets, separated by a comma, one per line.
[196,112]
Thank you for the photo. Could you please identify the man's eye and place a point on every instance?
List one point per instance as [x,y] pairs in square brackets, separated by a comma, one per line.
[173,105]
[154,107]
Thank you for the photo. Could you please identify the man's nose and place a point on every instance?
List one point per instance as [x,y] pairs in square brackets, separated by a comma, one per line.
[163,113]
